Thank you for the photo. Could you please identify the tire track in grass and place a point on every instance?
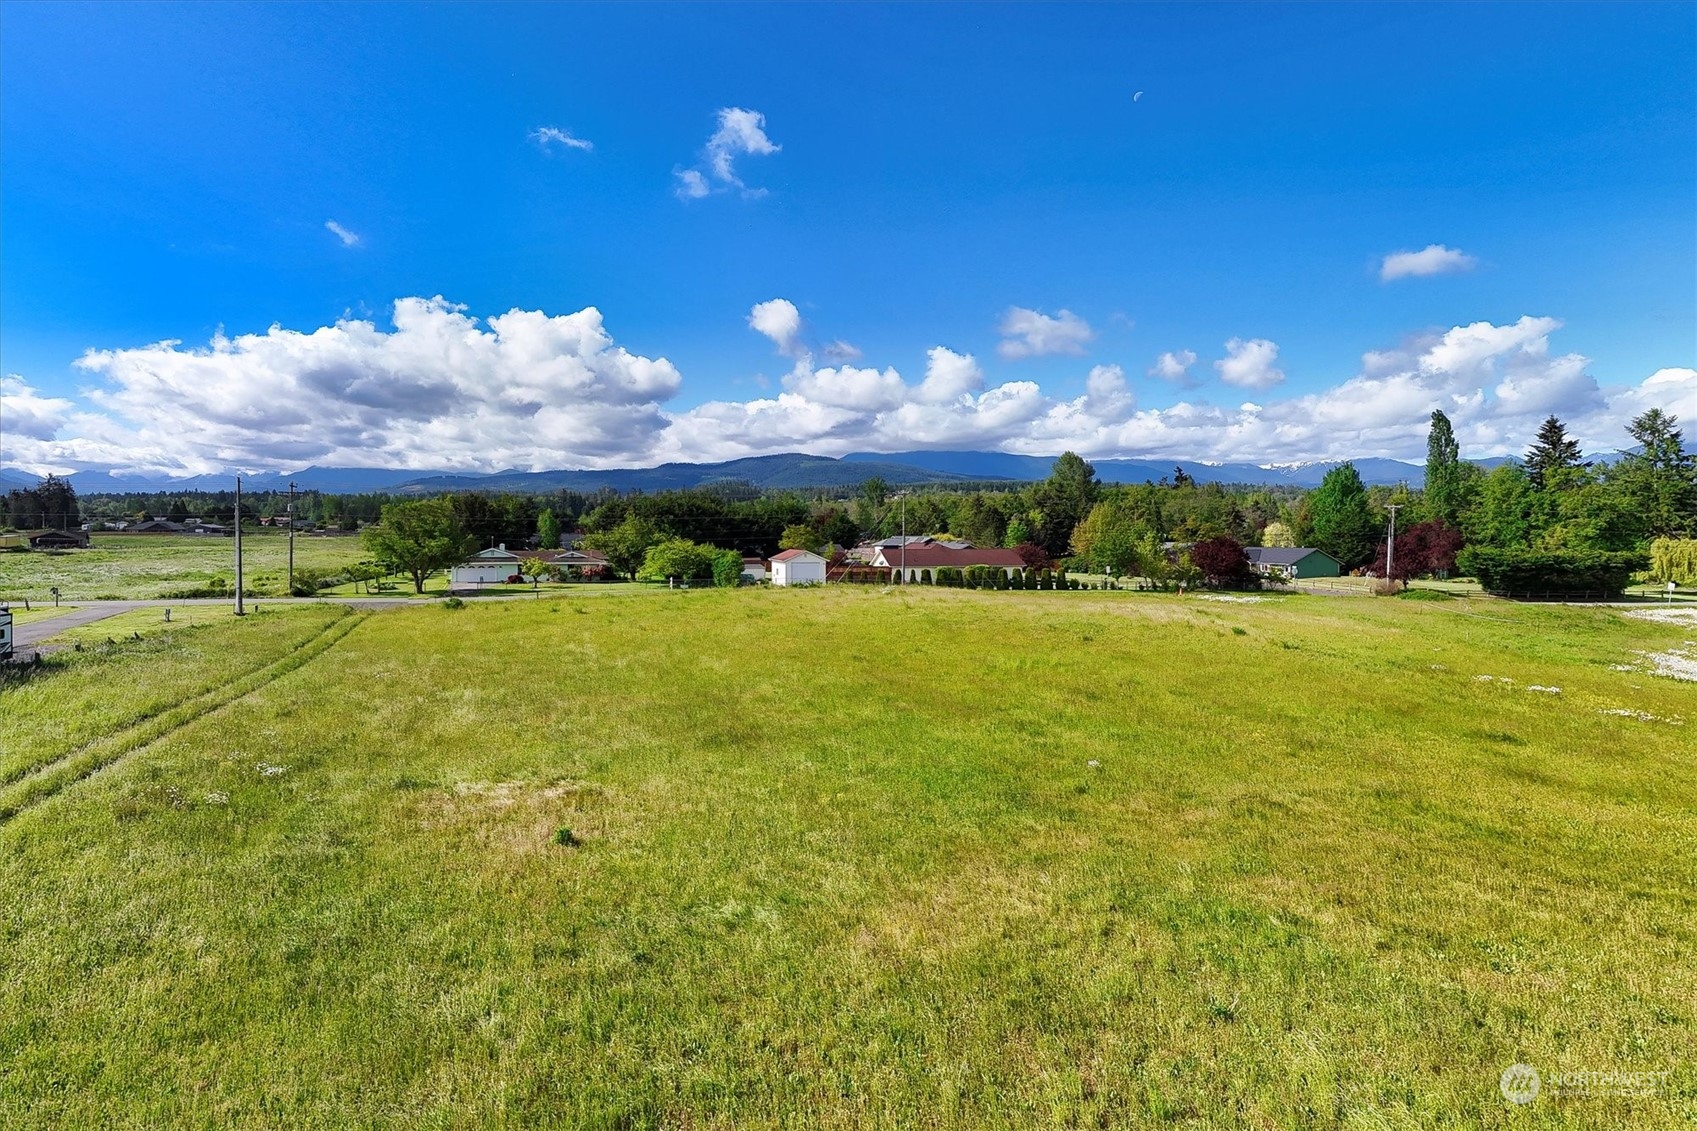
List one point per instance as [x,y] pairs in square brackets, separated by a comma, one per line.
[48,780]
[20,772]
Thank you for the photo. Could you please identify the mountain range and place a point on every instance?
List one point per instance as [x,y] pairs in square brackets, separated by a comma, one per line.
[776,472]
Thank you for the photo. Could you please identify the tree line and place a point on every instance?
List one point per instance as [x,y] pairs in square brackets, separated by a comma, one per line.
[1550,520]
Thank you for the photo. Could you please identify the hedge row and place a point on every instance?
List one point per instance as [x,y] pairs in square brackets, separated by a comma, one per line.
[1550,572]
[994,577]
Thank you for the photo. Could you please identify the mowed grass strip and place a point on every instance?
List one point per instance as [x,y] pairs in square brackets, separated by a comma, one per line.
[843,859]
[80,697]
[49,778]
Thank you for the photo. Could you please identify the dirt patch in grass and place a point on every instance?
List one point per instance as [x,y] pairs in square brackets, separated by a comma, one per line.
[517,816]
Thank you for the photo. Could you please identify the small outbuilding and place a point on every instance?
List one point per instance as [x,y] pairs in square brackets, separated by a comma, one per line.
[59,540]
[1293,563]
[798,567]
[754,570]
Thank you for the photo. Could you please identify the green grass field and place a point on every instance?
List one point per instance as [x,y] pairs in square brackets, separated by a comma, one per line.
[144,566]
[852,858]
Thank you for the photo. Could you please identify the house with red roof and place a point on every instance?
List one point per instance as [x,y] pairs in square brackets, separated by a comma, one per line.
[939,555]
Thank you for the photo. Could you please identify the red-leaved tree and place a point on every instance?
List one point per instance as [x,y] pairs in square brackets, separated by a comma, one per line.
[1423,549]
[1223,563]
[1034,556]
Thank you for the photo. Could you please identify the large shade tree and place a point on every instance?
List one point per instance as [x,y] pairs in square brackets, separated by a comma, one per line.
[418,538]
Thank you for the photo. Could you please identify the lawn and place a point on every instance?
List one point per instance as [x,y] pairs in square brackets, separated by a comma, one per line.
[138,566]
[852,858]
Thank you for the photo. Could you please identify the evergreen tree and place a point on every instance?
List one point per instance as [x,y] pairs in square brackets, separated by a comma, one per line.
[1551,453]
[58,503]
[1343,520]
[1660,478]
[1063,500]
[1443,471]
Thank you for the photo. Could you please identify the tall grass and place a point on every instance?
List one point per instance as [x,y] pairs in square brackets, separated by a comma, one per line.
[850,858]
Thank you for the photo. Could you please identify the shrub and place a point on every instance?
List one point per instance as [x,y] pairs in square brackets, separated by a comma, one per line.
[453,603]
[727,569]
[1549,573]
[924,577]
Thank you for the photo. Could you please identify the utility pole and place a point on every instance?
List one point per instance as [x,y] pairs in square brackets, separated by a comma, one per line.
[1390,543]
[291,538]
[239,610]
[903,498]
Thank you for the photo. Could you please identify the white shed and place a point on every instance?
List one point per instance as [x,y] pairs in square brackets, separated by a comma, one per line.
[798,567]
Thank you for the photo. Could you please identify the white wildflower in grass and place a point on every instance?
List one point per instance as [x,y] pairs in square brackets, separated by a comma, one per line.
[1490,678]
[1545,690]
[1675,663]
[269,770]
[217,797]
[1094,764]
[1640,716]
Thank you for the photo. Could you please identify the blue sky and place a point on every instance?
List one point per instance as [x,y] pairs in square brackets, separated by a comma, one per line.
[909,179]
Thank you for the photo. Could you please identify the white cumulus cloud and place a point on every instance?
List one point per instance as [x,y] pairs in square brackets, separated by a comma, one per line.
[1029,333]
[349,239]
[1173,366]
[949,376]
[521,389]
[741,133]
[779,320]
[26,413]
[527,389]
[1249,364]
[1434,259]
[691,184]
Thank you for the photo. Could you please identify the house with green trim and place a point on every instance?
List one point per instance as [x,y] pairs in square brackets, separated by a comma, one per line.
[1293,563]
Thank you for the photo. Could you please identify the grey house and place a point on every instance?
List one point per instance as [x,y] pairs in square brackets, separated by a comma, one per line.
[1293,562]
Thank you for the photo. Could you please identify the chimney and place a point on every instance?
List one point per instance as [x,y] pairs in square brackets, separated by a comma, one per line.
[503,546]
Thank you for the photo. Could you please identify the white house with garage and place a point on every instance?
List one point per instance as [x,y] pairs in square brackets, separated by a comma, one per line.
[798,567]
[499,564]
[490,567]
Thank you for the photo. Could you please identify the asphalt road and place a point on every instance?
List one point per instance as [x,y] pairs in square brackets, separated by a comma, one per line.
[28,637]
